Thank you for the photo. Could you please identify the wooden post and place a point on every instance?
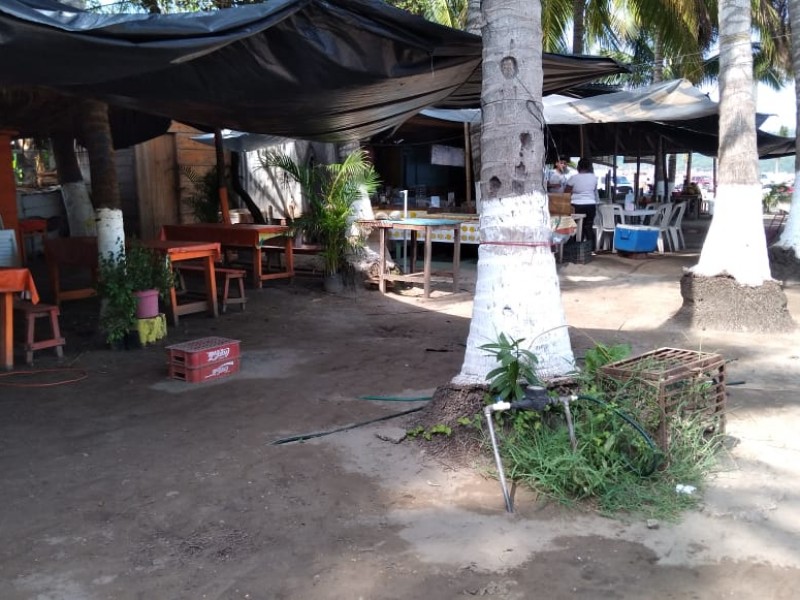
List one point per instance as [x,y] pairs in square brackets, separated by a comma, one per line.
[8,188]
[468,163]
[223,186]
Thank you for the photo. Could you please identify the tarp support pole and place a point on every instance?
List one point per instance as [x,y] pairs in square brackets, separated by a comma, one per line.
[221,183]
[468,163]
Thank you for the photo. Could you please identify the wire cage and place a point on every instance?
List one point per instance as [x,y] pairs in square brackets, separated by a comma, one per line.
[669,381]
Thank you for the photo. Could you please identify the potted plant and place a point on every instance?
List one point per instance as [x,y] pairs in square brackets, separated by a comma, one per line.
[330,191]
[129,285]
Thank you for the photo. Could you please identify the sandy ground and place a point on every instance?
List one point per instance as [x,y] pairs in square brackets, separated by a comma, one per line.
[129,485]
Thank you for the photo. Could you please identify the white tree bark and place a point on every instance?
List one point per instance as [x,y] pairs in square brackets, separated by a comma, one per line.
[80,212]
[517,291]
[110,233]
[736,244]
[790,238]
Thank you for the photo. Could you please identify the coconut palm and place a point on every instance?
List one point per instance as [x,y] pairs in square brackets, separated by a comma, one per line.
[452,13]
[517,291]
[330,191]
[735,245]
[100,148]
[790,238]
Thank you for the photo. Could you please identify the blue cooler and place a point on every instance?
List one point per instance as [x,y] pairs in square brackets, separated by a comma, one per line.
[636,238]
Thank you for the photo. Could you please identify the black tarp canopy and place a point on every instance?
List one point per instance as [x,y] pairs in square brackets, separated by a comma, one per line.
[672,115]
[326,70]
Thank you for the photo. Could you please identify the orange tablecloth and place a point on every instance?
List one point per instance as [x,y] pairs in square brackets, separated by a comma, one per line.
[12,281]
[18,280]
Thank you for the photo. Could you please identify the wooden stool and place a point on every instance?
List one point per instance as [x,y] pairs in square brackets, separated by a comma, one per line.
[226,275]
[31,312]
[237,275]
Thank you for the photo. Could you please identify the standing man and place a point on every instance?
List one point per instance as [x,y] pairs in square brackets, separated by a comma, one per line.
[558,175]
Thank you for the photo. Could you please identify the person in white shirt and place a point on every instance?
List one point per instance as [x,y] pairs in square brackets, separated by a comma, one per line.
[557,177]
[583,187]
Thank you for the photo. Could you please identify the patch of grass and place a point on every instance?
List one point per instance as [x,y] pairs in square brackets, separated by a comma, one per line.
[599,472]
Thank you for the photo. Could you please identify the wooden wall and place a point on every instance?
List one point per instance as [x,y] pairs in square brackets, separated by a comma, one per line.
[161,185]
[124,160]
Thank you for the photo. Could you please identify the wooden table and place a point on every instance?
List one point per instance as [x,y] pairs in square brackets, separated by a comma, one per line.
[12,281]
[426,227]
[240,235]
[179,250]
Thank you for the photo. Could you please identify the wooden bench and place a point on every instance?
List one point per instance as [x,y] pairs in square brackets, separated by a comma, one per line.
[224,276]
[30,312]
[270,250]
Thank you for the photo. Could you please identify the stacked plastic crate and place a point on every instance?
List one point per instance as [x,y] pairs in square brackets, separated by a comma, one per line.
[204,359]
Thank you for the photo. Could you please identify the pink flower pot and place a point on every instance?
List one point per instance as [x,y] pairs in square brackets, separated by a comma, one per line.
[147,304]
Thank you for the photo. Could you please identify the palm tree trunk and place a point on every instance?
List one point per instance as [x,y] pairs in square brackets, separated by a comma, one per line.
[736,244]
[658,59]
[790,238]
[78,204]
[517,291]
[99,145]
[474,17]
[578,28]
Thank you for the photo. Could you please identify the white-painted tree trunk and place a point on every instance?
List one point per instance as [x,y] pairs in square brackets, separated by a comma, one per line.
[80,212]
[368,258]
[517,290]
[110,232]
[790,238]
[736,244]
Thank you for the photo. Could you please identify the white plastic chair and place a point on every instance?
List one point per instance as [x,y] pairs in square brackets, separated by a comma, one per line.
[661,220]
[608,215]
[675,227]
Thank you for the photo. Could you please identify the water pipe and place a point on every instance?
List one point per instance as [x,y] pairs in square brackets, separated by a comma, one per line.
[487,411]
[536,398]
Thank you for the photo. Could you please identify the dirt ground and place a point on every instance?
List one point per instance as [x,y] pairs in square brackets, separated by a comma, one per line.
[129,485]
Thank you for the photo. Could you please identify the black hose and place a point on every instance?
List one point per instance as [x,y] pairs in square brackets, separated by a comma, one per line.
[308,436]
[657,454]
[396,398]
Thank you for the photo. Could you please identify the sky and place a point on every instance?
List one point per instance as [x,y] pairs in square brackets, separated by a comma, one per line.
[780,103]
[771,102]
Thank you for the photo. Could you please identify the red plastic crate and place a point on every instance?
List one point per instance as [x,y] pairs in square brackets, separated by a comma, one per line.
[201,352]
[209,372]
